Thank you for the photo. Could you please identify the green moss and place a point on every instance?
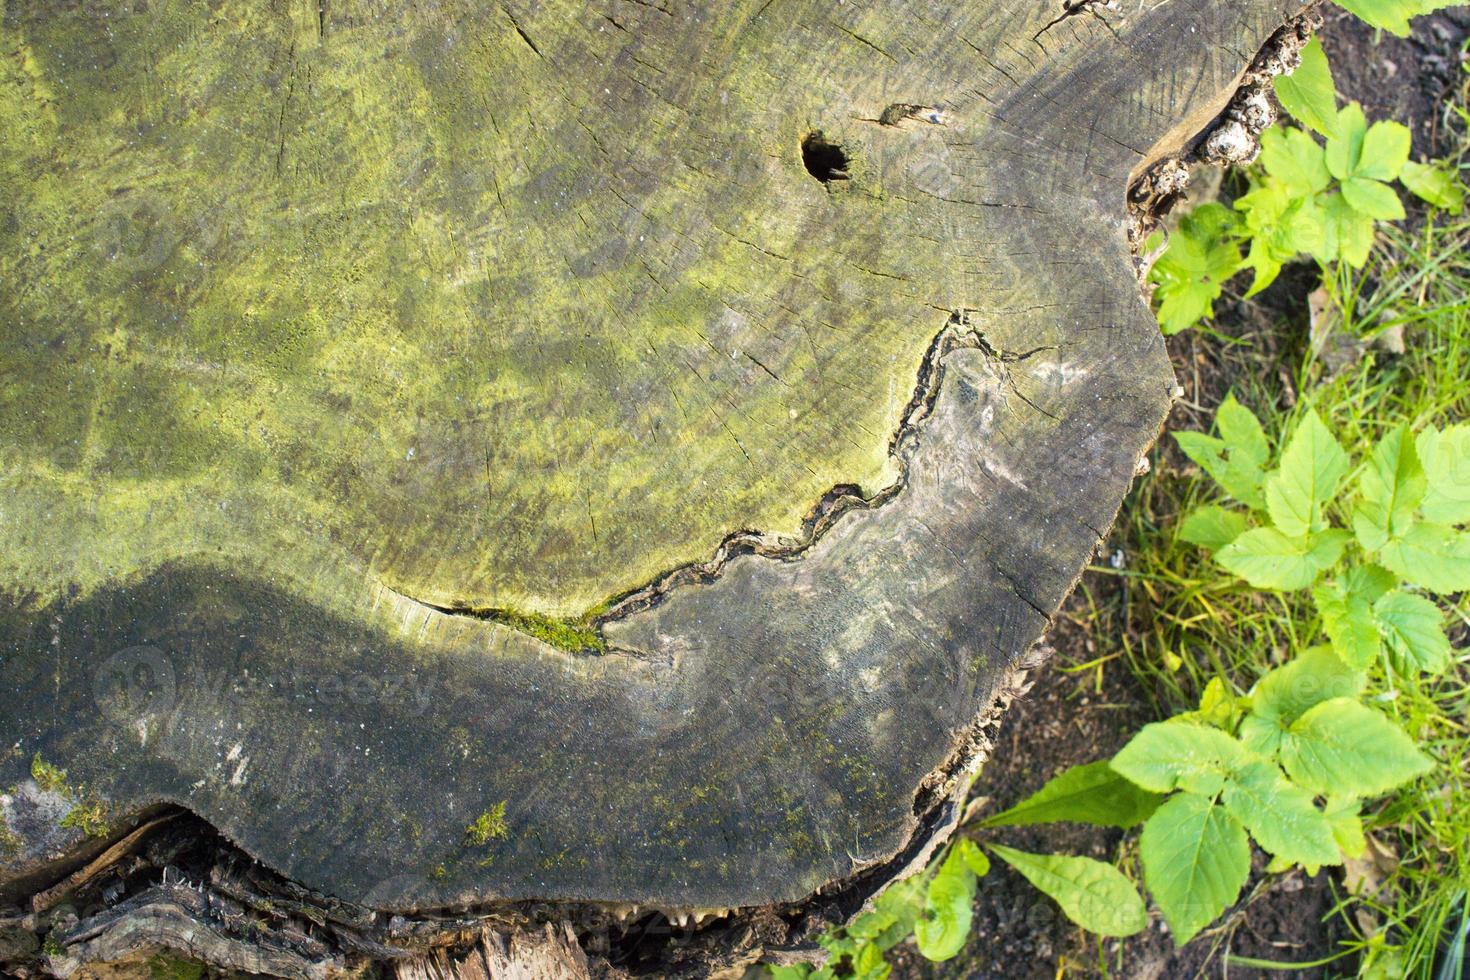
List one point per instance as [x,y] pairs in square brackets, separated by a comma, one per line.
[572,636]
[9,842]
[163,966]
[488,826]
[90,817]
[50,778]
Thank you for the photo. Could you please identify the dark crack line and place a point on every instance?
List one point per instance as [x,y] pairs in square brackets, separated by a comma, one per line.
[957,333]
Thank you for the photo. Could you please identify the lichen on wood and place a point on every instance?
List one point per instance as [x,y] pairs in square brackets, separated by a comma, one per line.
[674,421]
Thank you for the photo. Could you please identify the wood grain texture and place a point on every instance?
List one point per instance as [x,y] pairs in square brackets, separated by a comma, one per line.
[331,318]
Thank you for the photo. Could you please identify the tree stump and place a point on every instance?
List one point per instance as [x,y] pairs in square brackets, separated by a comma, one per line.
[545,460]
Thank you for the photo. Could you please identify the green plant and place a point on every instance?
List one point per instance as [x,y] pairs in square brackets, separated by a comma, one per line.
[1409,498]
[935,906]
[1391,15]
[1308,198]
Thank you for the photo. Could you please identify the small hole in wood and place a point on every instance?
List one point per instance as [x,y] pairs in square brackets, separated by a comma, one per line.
[823,159]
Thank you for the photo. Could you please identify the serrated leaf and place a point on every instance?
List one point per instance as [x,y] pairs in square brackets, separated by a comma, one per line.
[1094,895]
[1347,826]
[1435,185]
[1433,556]
[1283,695]
[1385,151]
[1296,160]
[1345,146]
[1304,482]
[1242,432]
[1445,457]
[1200,257]
[1348,233]
[1281,817]
[1237,475]
[1212,527]
[1373,198]
[895,911]
[1342,746]
[1348,619]
[1390,490]
[1413,628]
[1195,859]
[1309,93]
[1094,793]
[1218,707]
[1268,559]
[1170,755]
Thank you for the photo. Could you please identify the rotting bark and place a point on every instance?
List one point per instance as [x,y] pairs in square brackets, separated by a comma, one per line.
[778,731]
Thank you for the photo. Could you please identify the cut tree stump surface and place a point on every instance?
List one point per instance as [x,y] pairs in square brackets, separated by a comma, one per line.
[644,432]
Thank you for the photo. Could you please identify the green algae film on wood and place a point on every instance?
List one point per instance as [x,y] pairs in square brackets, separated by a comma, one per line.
[327,317]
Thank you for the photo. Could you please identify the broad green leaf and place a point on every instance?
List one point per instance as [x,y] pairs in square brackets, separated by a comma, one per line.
[799,972]
[1296,160]
[942,931]
[1433,184]
[1346,607]
[1170,755]
[1264,262]
[1348,233]
[1303,484]
[1212,527]
[869,964]
[1242,432]
[1195,859]
[1280,222]
[1201,256]
[1445,457]
[1237,474]
[1345,146]
[1308,93]
[1093,793]
[972,856]
[1342,746]
[1413,628]
[1373,198]
[1390,490]
[1268,559]
[1281,817]
[1385,151]
[1347,826]
[1283,695]
[1096,896]
[1390,15]
[894,913]
[1434,556]
[1218,707]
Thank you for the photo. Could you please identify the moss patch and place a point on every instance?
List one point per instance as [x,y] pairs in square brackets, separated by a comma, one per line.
[487,827]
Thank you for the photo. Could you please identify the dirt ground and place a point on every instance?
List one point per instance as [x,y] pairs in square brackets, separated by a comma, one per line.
[1075,717]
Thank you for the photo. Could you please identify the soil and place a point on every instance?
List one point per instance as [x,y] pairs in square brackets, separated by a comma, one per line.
[1074,715]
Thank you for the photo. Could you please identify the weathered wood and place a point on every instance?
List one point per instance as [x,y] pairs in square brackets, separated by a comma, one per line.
[545,954]
[386,391]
